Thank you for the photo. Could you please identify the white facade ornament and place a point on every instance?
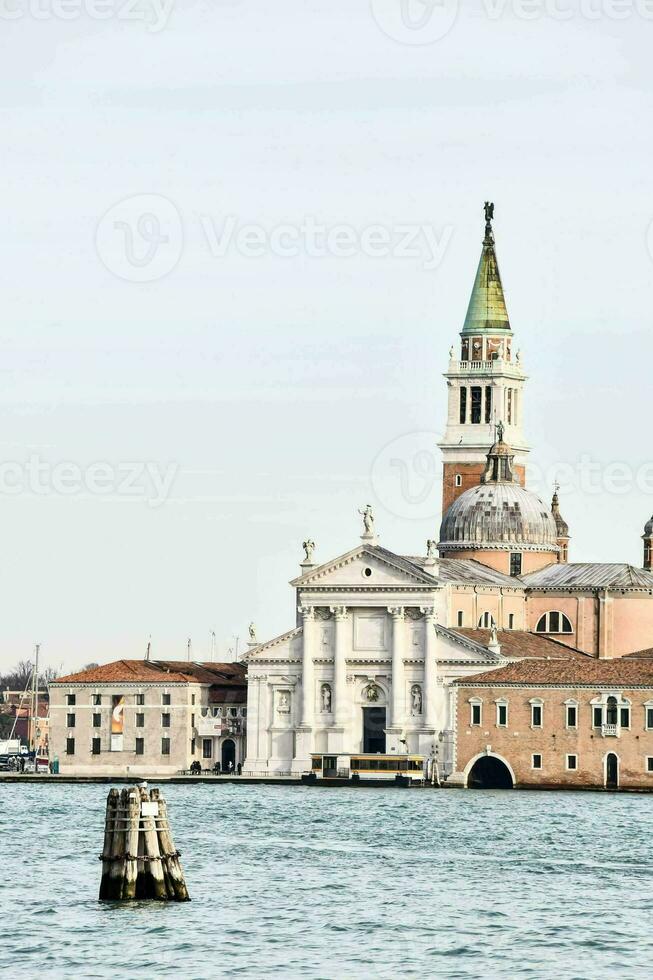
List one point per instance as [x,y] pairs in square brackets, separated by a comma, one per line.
[325,695]
[371,692]
[309,548]
[283,703]
[369,533]
[252,633]
[416,699]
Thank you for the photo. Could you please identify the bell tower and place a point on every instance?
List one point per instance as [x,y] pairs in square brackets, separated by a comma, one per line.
[485,382]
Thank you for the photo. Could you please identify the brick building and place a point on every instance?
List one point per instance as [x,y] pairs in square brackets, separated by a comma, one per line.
[143,717]
[574,723]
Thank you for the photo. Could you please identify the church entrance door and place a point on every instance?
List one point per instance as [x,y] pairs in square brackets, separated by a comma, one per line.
[228,755]
[373,730]
[611,771]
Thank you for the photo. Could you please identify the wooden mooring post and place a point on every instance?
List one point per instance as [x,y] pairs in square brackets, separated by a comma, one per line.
[139,859]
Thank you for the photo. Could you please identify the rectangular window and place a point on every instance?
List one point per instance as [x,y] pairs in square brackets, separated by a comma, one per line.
[463,405]
[536,761]
[97,719]
[649,763]
[70,746]
[515,563]
[649,717]
[95,746]
[554,622]
[140,720]
[597,716]
[488,405]
[165,720]
[70,721]
[536,715]
[476,714]
[140,746]
[509,406]
[140,699]
[460,617]
[477,394]
[192,699]
[97,699]
[572,763]
[624,717]
[511,621]
[207,748]
[71,699]
[572,716]
[502,715]
[165,746]
[192,746]
[192,721]
[165,699]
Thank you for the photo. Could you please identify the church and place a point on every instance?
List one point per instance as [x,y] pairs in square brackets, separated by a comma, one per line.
[381,640]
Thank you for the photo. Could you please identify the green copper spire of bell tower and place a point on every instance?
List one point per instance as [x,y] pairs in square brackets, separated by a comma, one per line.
[487,304]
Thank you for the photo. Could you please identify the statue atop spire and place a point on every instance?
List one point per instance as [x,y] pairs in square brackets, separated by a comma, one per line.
[489,217]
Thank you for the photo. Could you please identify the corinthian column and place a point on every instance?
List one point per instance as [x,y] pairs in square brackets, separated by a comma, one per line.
[398,629]
[430,706]
[308,651]
[339,665]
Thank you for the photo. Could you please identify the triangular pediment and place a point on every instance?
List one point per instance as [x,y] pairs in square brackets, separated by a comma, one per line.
[460,649]
[366,566]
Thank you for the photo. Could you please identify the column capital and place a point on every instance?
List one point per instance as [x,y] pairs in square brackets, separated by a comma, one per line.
[308,612]
[397,612]
[340,612]
[427,611]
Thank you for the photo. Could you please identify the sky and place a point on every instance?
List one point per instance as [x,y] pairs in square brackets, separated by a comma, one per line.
[238,241]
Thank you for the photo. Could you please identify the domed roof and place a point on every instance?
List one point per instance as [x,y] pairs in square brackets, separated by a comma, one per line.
[498,516]
[648,528]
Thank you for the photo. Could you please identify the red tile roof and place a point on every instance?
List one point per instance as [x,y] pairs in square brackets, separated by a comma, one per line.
[519,643]
[620,672]
[640,655]
[158,672]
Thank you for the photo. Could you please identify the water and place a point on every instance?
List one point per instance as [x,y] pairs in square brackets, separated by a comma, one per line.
[320,883]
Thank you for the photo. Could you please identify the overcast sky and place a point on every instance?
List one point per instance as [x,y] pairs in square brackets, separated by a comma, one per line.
[238,241]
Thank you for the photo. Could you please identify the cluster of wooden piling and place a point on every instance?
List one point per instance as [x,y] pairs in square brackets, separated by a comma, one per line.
[139,859]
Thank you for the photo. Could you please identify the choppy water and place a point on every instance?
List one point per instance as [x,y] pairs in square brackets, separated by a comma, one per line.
[320,883]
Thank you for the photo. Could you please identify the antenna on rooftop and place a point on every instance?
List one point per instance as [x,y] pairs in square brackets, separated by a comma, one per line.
[188,657]
[212,645]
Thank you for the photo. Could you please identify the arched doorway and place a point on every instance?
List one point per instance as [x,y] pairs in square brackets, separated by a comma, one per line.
[228,755]
[488,772]
[611,771]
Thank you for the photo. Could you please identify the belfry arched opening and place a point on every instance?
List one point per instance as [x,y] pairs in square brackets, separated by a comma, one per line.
[488,772]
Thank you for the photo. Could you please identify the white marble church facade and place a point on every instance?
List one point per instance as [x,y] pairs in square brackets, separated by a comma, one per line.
[367,668]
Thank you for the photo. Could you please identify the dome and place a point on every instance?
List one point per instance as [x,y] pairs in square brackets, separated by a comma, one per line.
[648,529]
[498,516]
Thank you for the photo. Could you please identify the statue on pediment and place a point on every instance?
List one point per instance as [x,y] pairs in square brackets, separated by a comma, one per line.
[368,519]
[309,548]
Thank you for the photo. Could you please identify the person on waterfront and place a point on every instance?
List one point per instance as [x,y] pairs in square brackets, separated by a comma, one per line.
[239,768]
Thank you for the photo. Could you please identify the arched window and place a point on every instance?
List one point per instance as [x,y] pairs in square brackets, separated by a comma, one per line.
[458,480]
[611,716]
[486,622]
[461,619]
[553,622]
